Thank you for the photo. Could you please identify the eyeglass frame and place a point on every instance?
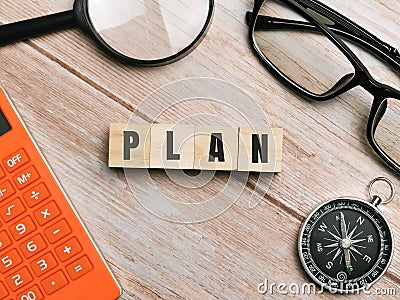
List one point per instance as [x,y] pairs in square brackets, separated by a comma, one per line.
[361,76]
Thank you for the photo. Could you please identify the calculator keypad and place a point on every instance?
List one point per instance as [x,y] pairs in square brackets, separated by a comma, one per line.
[35,225]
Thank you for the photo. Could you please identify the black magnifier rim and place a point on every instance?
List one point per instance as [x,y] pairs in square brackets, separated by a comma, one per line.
[83,11]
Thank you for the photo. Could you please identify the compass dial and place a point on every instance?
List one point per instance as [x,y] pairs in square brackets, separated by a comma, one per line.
[345,245]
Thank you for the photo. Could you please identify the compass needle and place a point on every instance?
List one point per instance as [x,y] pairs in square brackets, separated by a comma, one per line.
[345,244]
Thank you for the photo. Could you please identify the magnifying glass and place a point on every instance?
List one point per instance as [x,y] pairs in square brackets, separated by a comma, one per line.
[140,32]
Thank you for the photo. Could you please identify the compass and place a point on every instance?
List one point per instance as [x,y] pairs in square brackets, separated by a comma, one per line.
[346,244]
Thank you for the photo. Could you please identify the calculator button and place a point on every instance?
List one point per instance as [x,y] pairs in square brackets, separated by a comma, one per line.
[79,268]
[57,231]
[22,228]
[2,174]
[9,260]
[54,283]
[6,190]
[68,249]
[26,177]
[36,194]
[3,291]
[33,246]
[43,264]
[19,279]
[16,160]
[11,210]
[4,240]
[47,213]
[33,293]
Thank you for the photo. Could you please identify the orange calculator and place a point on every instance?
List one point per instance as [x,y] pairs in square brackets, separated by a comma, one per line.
[45,250]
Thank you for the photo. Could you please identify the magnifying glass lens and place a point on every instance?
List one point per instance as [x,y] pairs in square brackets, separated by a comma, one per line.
[148,29]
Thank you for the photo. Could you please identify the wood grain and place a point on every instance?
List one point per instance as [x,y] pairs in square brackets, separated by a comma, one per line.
[68,92]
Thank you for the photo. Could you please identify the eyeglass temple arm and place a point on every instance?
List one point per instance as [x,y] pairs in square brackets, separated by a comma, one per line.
[392,55]
[320,10]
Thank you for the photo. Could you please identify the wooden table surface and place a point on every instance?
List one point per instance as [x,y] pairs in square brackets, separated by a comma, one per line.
[68,92]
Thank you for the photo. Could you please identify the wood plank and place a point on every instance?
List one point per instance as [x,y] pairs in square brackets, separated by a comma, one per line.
[326,154]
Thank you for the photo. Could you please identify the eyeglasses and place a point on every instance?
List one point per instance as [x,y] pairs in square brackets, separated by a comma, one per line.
[303,43]
[139,32]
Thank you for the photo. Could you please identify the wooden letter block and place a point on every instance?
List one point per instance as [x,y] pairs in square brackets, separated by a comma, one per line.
[129,146]
[216,148]
[172,146]
[260,150]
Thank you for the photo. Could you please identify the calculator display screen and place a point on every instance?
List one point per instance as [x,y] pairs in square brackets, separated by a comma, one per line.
[4,125]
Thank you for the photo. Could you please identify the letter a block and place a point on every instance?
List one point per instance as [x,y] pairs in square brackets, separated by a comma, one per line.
[172,146]
[260,150]
[216,148]
[129,146]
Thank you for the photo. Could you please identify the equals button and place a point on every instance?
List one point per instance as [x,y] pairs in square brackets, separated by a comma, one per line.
[79,268]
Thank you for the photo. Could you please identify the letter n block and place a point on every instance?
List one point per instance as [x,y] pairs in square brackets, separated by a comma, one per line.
[172,146]
[129,146]
[216,148]
[260,150]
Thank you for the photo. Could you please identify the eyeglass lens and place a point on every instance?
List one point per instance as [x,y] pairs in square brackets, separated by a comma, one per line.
[300,61]
[387,134]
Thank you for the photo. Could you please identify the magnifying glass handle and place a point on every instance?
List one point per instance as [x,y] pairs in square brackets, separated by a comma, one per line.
[23,30]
